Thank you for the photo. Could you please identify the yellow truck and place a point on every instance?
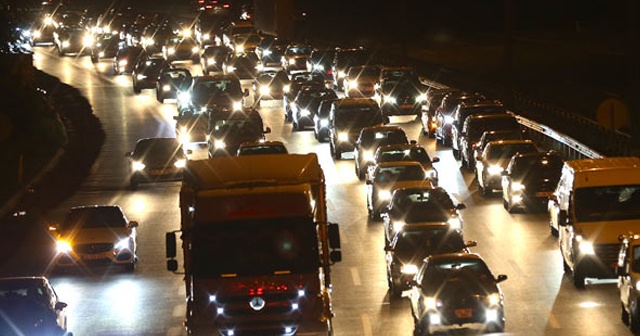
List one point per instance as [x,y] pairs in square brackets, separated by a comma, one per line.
[257,246]
[595,202]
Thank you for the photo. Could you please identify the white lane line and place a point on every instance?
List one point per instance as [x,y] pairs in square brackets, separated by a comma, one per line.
[355,276]
[366,325]
[553,322]
[517,268]
[343,238]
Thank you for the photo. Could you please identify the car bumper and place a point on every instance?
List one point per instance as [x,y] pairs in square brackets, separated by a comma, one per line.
[155,175]
[113,256]
[402,109]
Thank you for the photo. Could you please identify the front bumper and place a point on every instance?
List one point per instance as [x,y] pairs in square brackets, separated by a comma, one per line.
[111,256]
[157,174]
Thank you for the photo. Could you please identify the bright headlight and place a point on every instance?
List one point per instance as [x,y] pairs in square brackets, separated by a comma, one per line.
[65,44]
[266,52]
[398,225]
[122,62]
[367,156]
[231,68]
[259,67]
[36,33]
[341,74]
[239,48]
[265,90]
[389,100]
[122,244]
[195,49]
[237,106]
[171,51]
[431,303]
[493,299]
[183,129]
[586,247]
[206,37]
[305,112]
[515,186]
[137,165]
[343,136]
[292,61]
[495,170]
[141,77]
[184,98]
[420,98]
[324,122]
[101,54]
[48,21]
[148,41]
[455,223]
[384,195]
[219,144]
[286,88]
[166,88]
[180,163]
[448,120]
[318,67]
[353,85]
[184,137]
[63,246]
[186,32]
[211,61]
[409,269]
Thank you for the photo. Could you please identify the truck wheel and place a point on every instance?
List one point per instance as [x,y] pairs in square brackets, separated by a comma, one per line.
[137,89]
[456,154]
[624,315]
[578,280]
[553,230]
[337,154]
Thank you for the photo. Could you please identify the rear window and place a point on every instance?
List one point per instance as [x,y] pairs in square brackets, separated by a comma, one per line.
[479,125]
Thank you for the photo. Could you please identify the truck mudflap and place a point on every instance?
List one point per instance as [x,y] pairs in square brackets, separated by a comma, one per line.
[283,304]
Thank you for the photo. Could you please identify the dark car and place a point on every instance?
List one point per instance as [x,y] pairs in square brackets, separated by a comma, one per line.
[305,105]
[321,120]
[418,239]
[229,129]
[270,51]
[406,152]
[171,81]
[156,159]
[320,61]
[344,59]
[127,58]
[298,81]
[270,85]
[401,92]
[420,205]
[43,30]
[262,148]
[468,106]
[106,46]
[456,289]
[146,72]
[530,178]
[214,58]
[181,48]
[29,306]
[361,81]
[295,58]
[370,139]
[429,106]
[473,128]
[73,40]
[245,66]
[191,126]
[495,135]
[212,93]
[444,114]
[245,44]
[494,160]
[347,117]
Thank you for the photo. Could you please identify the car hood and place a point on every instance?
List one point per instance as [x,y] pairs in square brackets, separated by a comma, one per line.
[97,235]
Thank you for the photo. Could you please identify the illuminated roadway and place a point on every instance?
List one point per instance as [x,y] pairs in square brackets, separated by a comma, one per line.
[539,300]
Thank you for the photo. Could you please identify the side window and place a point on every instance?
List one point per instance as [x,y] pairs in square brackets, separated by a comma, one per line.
[635,263]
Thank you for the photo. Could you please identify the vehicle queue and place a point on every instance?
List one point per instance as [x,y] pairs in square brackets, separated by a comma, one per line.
[430,309]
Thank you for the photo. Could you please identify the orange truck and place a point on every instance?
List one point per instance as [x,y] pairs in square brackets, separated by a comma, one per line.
[256,245]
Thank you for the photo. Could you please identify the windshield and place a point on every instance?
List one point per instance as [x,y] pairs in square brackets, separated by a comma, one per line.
[358,117]
[92,217]
[157,148]
[216,86]
[378,138]
[400,173]
[450,270]
[413,154]
[428,242]
[299,51]
[607,203]
[255,247]
[490,124]
[503,152]
[536,168]
[248,127]
[421,200]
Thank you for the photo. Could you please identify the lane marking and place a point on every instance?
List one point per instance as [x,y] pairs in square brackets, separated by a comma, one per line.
[355,275]
[516,267]
[366,325]
[343,238]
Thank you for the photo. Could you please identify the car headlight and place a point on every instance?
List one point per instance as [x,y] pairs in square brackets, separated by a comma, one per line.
[384,195]
[184,138]
[219,144]
[431,303]
[455,223]
[266,52]
[36,33]
[286,88]
[231,68]
[186,32]
[493,299]
[389,100]
[259,67]
[101,54]
[324,123]
[239,48]
[137,165]
[420,98]
[341,74]
[398,225]
[63,246]
[292,61]
[585,246]
[122,244]
[183,129]
[184,98]
[237,106]
[180,163]
[495,170]
[343,136]
[353,85]
[304,113]
[65,44]
[367,156]
[206,37]
[149,42]
[409,269]
[166,88]
[171,51]
[448,120]
[123,62]
[195,49]
[141,77]
[265,90]
[516,186]
[211,61]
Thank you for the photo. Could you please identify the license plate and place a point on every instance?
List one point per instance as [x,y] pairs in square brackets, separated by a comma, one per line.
[543,194]
[159,172]
[92,256]
[463,313]
[406,106]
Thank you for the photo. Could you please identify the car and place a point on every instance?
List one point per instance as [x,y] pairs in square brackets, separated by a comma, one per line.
[172,81]
[405,152]
[495,135]
[237,28]
[429,106]
[181,48]
[270,51]
[208,29]
[295,58]
[444,115]
[530,179]
[156,159]
[244,66]
[361,80]
[43,30]
[320,61]
[344,59]
[29,305]
[72,40]
[245,44]
[400,91]
[455,289]
[347,117]
[213,92]
[214,58]
[628,272]
[154,36]
[468,106]
[473,128]
[95,235]
[191,126]
[228,129]
[305,105]
[494,160]
[299,80]
[146,72]
[106,46]
[126,59]
[321,120]
[270,85]
[420,205]
[390,176]
[261,148]
[417,240]
[370,139]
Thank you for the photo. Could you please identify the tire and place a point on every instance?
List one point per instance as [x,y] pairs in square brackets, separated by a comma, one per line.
[130,267]
[395,291]
[337,154]
[634,318]
[94,59]
[455,152]
[137,90]
[509,206]
[361,174]
[578,281]
[133,184]
[296,126]
[505,204]
[421,327]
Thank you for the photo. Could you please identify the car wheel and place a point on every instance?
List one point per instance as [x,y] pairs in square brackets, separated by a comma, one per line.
[296,126]
[624,315]
[425,131]
[505,204]
[396,292]
[421,327]
[634,317]
[509,205]
[137,89]
[130,266]
[337,154]
[361,174]
[463,161]
[133,184]
[456,154]
[94,59]
[578,281]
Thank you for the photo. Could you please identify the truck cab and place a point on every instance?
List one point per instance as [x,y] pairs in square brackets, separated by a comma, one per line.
[628,271]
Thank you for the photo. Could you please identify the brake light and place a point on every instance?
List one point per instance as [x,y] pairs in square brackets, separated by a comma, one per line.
[329,72]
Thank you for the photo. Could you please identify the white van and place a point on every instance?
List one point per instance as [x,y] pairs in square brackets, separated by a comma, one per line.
[595,202]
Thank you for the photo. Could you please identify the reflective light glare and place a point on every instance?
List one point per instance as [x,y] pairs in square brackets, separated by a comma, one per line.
[220,310]
[304,113]
[137,165]
[515,186]
[195,49]
[122,244]
[397,226]
[434,319]
[589,304]
[455,223]
[343,137]
[367,156]
[318,67]
[231,68]
[219,144]
[292,61]
[65,44]
[491,315]
[141,76]
[212,298]
[230,333]
[171,51]
[264,90]
[421,98]
[294,306]
[324,122]
[63,246]
[101,54]
[180,163]
[409,269]
[237,106]
[516,199]
[211,61]
[288,330]
[384,195]
[586,247]
[286,88]
[448,120]
[166,88]
[494,299]
[494,170]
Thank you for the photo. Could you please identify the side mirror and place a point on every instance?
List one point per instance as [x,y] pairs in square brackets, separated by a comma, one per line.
[501,278]
[60,306]
[461,206]
[133,224]
[435,159]
[335,256]
[267,130]
[471,243]
[170,244]
[189,152]
[334,235]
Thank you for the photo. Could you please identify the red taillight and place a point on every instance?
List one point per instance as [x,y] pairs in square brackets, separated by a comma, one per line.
[329,72]
[473,145]
[225,6]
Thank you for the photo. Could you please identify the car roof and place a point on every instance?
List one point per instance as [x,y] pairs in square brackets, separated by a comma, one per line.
[261,143]
[455,256]
[425,226]
[399,147]
[398,164]
[509,142]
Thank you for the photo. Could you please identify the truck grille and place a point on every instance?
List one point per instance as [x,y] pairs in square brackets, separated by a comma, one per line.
[607,253]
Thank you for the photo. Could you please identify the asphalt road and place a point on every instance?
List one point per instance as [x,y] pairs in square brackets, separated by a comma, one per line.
[539,299]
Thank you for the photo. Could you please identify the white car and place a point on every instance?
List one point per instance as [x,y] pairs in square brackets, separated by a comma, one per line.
[96,235]
[30,306]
